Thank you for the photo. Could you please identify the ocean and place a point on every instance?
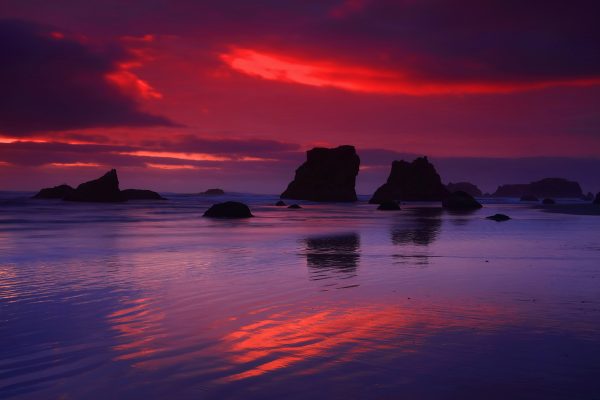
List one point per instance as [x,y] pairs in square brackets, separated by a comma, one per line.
[148,300]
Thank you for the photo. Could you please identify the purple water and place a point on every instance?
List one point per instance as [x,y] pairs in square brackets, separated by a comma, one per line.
[147,300]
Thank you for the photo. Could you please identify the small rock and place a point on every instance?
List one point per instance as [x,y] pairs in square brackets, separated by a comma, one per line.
[228,209]
[499,217]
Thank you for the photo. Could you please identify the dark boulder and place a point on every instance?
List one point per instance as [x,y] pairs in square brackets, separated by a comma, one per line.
[460,201]
[388,206]
[549,187]
[529,197]
[140,194]
[56,192]
[229,209]
[280,203]
[548,201]
[466,187]
[213,192]
[102,190]
[326,175]
[499,217]
[597,199]
[414,181]
[295,206]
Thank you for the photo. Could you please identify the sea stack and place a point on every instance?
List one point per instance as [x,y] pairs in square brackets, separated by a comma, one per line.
[549,187]
[102,190]
[56,192]
[326,175]
[141,194]
[229,209]
[466,187]
[414,181]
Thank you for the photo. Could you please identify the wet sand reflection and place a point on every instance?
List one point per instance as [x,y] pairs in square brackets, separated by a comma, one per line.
[335,256]
[422,229]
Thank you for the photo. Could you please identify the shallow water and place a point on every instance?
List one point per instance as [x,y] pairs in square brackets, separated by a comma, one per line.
[147,300]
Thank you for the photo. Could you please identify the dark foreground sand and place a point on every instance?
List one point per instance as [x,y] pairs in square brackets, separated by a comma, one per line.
[573,209]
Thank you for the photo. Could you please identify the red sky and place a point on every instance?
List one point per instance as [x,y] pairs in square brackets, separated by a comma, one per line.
[185,95]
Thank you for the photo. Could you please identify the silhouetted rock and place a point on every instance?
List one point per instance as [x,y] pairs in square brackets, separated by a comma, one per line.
[549,187]
[529,197]
[213,192]
[415,181]
[102,190]
[597,199]
[56,192]
[280,203]
[548,201]
[466,187]
[388,206]
[141,194]
[588,197]
[499,217]
[326,175]
[460,201]
[295,206]
[229,209]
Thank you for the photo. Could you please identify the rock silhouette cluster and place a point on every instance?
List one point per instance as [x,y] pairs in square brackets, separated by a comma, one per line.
[460,201]
[549,187]
[466,187]
[326,175]
[228,209]
[102,190]
[411,181]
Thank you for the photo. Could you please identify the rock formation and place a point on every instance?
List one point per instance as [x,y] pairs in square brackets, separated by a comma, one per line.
[140,194]
[102,190]
[213,192]
[280,203]
[388,206]
[499,217]
[56,192]
[229,209]
[549,187]
[414,181]
[588,197]
[326,175]
[466,187]
[529,197]
[548,201]
[460,201]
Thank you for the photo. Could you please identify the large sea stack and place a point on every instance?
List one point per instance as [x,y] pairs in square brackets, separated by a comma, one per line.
[549,187]
[414,181]
[326,175]
[102,190]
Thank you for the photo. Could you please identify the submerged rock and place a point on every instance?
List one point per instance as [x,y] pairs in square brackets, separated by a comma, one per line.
[499,217]
[56,192]
[295,206]
[548,201]
[280,203]
[228,209]
[549,187]
[326,175]
[213,192]
[141,194]
[529,197]
[388,206]
[466,187]
[102,190]
[414,181]
[460,201]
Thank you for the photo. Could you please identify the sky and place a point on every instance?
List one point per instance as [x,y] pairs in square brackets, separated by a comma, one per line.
[183,95]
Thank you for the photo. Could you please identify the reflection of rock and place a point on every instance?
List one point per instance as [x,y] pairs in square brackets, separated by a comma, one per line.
[597,199]
[326,175]
[56,192]
[102,190]
[499,217]
[388,206]
[229,209]
[529,197]
[466,187]
[213,192]
[549,187]
[460,201]
[295,207]
[548,201]
[339,252]
[414,181]
[420,227]
[140,194]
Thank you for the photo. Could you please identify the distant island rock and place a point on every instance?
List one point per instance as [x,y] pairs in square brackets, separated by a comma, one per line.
[466,187]
[529,197]
[498,217]
[213,192]
[460,201]
[56,192]
[141,194]
[549,187]
[228,209]
[597,199]
[326,175]
[389,206]
[414,181]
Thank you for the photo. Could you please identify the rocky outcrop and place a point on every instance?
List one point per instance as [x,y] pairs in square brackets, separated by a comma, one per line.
[326,175]
[229,209]
[56,192]
[460,201]
[102,190]
[140,194]
[548,201]
[466,187]
[414,181]
[499,217]
[549,187]
[388,206]
[213,192]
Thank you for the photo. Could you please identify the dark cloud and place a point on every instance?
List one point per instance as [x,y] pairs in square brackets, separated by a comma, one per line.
[50,82]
